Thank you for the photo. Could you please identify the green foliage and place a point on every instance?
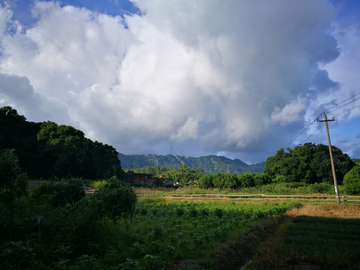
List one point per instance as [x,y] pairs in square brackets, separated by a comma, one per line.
[18,256]
[58,228]
[13,182]
[60,193]
[116,200]
[205,181]
[246,180]
[218,212]
[352,181]
[333,243]
[48,150]
[183,175]
[93,232]
[99,184]
[280,179]
[357,161]
[308,163]
[261,179]
[321,188]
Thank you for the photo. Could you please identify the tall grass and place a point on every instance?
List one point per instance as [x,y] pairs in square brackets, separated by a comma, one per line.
[327,210]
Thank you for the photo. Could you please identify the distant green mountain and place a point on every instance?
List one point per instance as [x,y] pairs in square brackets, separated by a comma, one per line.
[212,164]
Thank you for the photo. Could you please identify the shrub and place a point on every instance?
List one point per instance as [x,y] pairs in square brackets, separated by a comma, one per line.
[59,194]
[280,179]
[193,212]
[293,184]
[352,181]
[99,184]
[321,188]
[13,182]
[115,200]
[180,212]
[204,212]
[218,212]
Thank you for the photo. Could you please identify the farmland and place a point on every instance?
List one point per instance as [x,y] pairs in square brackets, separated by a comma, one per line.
[56,226]
[312,243]
[50,229]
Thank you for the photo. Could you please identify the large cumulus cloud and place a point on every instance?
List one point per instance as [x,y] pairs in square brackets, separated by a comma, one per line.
[184,77]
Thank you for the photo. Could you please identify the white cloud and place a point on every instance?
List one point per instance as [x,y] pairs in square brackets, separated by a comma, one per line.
[290,113]
[187,77]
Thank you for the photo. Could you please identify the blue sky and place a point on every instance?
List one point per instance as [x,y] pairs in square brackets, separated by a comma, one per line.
[235,78]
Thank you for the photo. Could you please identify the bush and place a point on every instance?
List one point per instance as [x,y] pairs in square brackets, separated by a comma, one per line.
[115,200]
[280,179]
[352,181]
[59,194]
[13,182]
[321,188]
[293,184]
[99,184]
[218,212]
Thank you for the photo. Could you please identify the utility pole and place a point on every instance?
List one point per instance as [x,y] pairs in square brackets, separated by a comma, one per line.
[331,157]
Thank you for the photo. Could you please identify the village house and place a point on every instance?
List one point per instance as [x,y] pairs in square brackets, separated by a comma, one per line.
[139,178]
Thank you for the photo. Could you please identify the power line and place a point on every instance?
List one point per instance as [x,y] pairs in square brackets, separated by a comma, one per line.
[344,105]
[311,134]
[347,111]
[303,130]
[343,101]
[329,111]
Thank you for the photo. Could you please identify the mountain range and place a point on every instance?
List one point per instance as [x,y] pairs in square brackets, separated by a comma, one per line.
[211,164]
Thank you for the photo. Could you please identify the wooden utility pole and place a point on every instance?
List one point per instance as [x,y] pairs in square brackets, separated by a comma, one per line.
[331,158]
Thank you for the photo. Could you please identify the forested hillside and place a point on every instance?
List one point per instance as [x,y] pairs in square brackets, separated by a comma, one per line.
[211,164]
[48,150]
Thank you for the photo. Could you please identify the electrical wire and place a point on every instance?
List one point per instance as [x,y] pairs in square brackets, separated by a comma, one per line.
[321,126]
[329,111]
[346,111]
[344,105]
[308,126]
[343,101]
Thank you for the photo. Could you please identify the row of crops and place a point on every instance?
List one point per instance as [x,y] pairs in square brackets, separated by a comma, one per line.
[166,234]
[332,243]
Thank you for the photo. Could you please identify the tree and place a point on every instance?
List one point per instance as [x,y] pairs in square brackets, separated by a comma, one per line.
[352,181]
[261,179]
[205,181]
[13,182]
[48,150]
[246,180]
[308,163]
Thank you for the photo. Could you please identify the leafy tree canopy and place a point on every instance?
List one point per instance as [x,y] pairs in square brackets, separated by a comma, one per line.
[308,163]
[49,150]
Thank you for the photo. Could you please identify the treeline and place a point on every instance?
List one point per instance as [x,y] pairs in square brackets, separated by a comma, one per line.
[47,150]
[185,175]
[305,164]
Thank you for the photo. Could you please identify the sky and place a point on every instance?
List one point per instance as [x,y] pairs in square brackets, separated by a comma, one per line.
[240,79]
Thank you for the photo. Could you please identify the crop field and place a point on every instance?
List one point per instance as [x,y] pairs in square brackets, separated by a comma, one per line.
[314,242]
[189,235]
[331,242]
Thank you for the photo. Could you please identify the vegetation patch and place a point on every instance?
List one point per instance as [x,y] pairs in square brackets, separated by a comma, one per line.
[313,242]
